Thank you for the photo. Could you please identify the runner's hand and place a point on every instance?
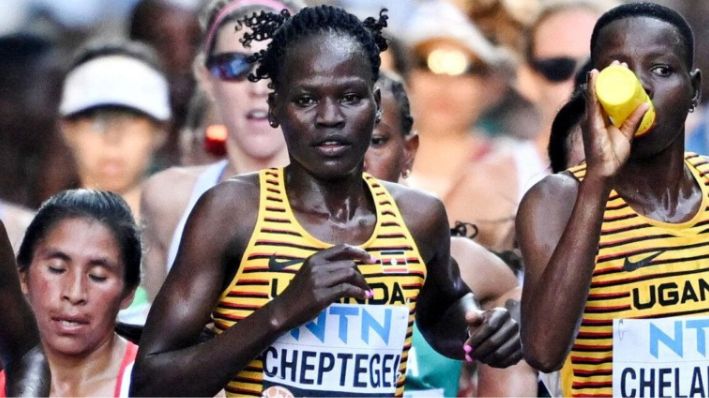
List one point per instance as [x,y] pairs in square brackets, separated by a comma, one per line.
[606,147]
[494,337]
[323,279]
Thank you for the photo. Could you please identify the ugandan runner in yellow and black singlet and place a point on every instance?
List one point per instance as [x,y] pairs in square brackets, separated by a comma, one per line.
[353,348]
[645,270]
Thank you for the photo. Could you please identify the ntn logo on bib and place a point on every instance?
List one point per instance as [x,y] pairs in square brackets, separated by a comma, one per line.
[347,350]
[660,357]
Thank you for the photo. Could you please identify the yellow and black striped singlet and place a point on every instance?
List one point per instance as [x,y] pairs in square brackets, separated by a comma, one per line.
[644,269]
[278,235]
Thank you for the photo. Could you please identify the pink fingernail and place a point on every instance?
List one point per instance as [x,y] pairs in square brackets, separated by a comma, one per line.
[373,260]
[467,348]
[468,358]
[369,294]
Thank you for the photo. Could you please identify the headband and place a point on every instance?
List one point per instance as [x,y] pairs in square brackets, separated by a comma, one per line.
[233,6]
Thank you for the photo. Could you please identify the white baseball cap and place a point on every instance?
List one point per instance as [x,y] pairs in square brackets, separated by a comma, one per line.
[116,80]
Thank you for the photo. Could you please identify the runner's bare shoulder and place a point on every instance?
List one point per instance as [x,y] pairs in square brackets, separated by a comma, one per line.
[423,213]
[166,194]
[232,205]
[543,215]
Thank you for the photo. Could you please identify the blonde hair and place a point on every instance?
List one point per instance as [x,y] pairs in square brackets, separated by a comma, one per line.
[209,13]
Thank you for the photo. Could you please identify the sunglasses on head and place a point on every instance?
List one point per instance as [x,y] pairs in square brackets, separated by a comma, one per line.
[556,69]
[232,66]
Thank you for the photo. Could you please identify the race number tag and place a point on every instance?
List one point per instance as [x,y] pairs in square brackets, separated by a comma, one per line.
[660,357]
[347,350]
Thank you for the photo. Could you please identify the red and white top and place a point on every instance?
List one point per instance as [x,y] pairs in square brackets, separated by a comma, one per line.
[122,380]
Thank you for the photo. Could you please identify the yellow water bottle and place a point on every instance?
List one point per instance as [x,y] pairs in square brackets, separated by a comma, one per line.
[620,92]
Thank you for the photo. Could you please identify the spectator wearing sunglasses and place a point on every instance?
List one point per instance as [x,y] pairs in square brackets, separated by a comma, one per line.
[557,47]
[456,75]
[221,69]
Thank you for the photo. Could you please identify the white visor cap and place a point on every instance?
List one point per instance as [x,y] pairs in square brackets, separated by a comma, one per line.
[116,80]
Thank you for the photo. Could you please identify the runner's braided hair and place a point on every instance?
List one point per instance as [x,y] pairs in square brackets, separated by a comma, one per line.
[393,83]
[284,30]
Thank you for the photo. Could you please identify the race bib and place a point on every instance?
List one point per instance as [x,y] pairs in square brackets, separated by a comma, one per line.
[347,350]
[660,357]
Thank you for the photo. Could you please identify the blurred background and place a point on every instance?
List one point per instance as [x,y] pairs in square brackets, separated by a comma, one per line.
[38,38]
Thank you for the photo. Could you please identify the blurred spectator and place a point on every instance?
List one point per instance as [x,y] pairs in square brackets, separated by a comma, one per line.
[457,74]
[557,47]
[396,58]
[84,15]
[251,143]
[172,29]
[114,110]
[203,137]
[13,15]
[503,22]
[16,220]
[30,82]
[400,11]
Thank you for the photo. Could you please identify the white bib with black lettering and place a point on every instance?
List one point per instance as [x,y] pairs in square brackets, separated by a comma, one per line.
[660,357]
[347,350]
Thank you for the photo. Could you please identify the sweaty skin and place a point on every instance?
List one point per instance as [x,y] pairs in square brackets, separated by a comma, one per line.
[391,153]
[558,225]
[76,274]
[326,110]
[26,369]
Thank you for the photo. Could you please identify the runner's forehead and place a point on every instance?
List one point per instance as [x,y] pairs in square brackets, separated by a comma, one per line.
[638,34]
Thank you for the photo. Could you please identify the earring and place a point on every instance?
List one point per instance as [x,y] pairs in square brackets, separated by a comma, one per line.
[273,123]
[378,117]
[406,173]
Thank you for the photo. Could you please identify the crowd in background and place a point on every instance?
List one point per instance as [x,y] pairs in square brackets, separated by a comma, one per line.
[512,106]
[486,79]
[39,39]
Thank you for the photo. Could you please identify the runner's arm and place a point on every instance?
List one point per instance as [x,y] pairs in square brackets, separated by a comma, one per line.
[160,213]
[170,360]
[558,231]
[445,308]
[519,380]
[558,228]
[154,262]
[176,363]
[495,285]
[26,368]
[483,271]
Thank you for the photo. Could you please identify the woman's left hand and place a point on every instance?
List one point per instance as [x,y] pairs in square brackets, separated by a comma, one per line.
[494,337]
